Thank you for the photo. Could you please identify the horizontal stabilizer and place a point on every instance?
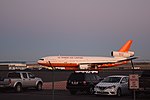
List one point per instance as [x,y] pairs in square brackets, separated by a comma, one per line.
[128,59]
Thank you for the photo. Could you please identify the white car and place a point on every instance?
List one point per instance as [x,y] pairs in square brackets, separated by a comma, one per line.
[112,85]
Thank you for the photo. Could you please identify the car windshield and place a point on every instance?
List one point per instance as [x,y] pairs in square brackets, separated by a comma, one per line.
[111,80]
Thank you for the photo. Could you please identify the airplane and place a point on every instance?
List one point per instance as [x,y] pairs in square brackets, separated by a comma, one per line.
[120,57]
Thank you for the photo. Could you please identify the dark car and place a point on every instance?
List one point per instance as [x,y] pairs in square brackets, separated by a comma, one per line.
[144,82]
[82,82]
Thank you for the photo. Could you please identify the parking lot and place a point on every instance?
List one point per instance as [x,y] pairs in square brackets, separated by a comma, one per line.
[60,91]
[61,95]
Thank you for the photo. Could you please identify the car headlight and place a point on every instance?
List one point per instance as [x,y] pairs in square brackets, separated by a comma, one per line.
[96,86]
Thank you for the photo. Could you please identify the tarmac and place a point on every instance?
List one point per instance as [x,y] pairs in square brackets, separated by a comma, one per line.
[61,85]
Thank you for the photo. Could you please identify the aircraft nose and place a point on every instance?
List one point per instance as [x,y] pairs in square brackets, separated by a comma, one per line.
[40,61]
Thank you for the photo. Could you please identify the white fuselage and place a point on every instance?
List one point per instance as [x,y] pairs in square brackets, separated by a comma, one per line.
[75,61]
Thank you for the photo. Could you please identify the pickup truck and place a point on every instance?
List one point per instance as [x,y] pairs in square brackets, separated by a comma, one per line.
[19,80]
[144,81]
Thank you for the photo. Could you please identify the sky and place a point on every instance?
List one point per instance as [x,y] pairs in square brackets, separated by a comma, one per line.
[31,29]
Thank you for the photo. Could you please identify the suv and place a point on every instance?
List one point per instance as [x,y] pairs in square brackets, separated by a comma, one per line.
[19,80]
[82,82]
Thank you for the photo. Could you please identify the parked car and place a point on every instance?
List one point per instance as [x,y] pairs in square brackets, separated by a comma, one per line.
[144,82]
[19,80]
[82,82]
[112,85]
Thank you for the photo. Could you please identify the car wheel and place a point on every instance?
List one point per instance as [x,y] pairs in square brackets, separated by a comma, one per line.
[119,92]
[39,86]
[73,92]
[91,90]
[18,88]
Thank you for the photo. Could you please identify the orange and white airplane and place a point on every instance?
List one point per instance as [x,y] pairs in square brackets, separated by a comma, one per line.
[122,56]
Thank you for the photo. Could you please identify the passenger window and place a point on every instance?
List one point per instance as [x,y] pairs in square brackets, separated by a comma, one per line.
[31,75]
[14,75]
[24,75]
[127,79]
[124,80]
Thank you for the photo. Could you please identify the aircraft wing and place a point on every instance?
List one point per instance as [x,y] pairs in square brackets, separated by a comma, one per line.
[111,62]
[128,59]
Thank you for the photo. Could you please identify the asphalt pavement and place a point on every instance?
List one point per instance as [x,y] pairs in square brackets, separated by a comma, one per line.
[61,95]
[60,92]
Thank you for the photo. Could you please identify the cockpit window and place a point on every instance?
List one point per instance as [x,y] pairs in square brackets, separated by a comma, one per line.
[41,59]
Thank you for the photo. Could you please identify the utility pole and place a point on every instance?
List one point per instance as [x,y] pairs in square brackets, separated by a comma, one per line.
[53,92]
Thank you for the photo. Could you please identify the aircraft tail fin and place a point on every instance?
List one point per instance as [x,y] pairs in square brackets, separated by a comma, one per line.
[124,51]
[126,46]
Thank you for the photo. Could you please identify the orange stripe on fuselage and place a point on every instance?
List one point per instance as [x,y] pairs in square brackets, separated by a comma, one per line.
[113,65]
[60,64]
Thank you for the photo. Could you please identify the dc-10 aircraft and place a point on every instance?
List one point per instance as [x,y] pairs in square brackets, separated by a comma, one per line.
[120,57]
